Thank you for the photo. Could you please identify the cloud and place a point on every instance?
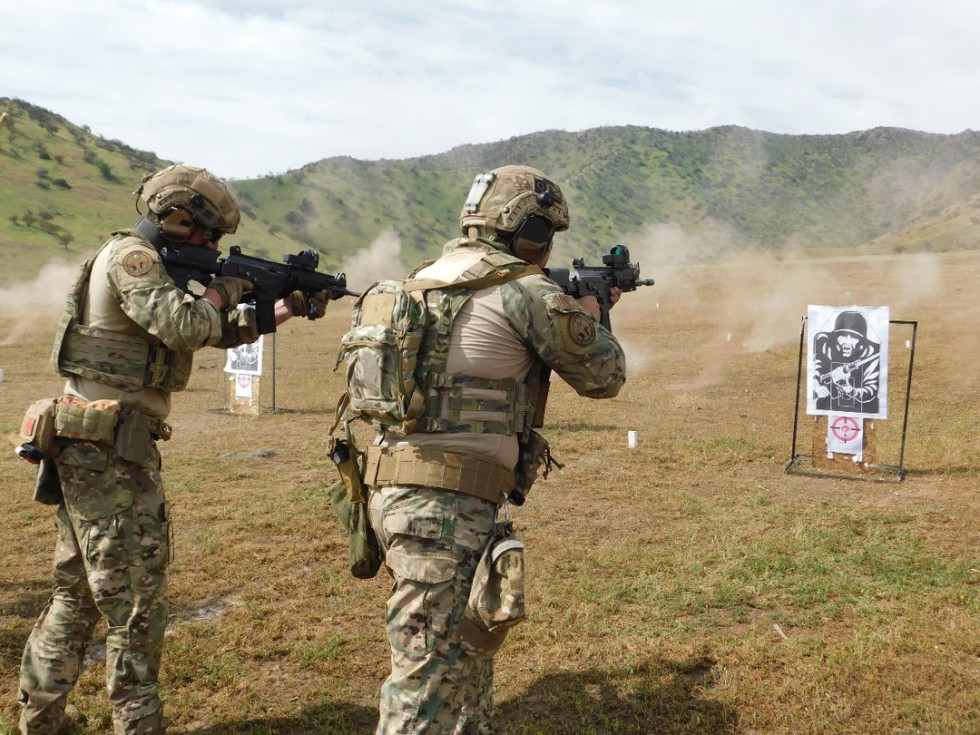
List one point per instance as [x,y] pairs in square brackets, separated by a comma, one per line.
[257,87]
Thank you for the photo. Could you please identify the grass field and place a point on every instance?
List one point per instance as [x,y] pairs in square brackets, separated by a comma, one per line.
[689,585]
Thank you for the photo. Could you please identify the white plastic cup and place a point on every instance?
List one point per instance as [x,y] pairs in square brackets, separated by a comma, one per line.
[633,438]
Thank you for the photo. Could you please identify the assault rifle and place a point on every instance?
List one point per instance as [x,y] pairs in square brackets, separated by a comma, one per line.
[270,280]
[843,371]
[616,271]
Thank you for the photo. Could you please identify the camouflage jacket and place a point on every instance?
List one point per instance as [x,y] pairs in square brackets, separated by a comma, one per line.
[124,294]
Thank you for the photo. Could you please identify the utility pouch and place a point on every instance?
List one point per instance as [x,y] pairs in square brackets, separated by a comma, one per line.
[534,453]
[93,421]
[349,500]
[496,601]
[47,488]
[38,427]
[133,437]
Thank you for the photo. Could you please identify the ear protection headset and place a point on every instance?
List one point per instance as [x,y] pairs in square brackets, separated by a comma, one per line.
[531,242]
[529,252]
[177,224]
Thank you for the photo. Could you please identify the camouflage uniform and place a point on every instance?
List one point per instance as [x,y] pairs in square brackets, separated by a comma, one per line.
[114,522]
[433,538]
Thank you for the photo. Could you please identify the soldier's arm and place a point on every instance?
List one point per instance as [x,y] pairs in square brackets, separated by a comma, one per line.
[149,296]
[568,339]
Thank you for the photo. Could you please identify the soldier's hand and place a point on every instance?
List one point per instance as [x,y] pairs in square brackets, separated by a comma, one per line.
[590,304]
[309,305]
[229,289]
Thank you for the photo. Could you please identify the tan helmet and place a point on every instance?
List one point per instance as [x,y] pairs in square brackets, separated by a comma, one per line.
[180,196]
[503,198]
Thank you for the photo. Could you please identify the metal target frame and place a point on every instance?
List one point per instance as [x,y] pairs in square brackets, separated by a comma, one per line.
[802,464]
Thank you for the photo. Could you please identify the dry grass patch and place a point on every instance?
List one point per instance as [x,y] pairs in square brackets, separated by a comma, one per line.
[687,586]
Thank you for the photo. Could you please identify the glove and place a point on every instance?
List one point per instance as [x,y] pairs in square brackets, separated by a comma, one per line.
[230,289]
[309,305]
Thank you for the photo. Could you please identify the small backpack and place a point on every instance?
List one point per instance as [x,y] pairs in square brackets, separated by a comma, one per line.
[381,349]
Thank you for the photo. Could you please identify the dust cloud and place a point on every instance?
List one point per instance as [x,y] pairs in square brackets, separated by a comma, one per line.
[379,261]
[36,305]
[739,301]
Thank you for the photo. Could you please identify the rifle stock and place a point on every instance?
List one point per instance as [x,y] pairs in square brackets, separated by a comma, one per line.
[616,271]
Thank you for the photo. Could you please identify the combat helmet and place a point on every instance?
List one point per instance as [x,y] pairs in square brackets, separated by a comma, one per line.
[853,322]
[180,196]
[519,204]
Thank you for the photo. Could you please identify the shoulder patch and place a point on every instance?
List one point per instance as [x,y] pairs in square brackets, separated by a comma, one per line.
[563,302]
[137,263]
[580,329]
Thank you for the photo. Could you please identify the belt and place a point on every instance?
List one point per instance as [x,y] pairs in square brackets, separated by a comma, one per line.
[99,420]
[461,472]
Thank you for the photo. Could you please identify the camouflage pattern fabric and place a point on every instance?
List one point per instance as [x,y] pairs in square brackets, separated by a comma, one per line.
[123,298]
[387,324]
[581,351]
[433,539]
[114,525]
[110,561]
[432,542]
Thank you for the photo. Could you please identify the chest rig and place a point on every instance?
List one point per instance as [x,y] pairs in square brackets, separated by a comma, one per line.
[456,403]
[125,361]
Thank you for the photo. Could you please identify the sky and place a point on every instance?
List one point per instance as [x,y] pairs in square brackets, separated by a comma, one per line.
[249,88]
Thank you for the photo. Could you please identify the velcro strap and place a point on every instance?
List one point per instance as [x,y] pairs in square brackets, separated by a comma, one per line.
[429,467]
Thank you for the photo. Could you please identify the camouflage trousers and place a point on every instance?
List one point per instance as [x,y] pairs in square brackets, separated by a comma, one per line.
[110,563]
[432,541]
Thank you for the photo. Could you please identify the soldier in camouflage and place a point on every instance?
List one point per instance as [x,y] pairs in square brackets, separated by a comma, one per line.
[433,531]
[125,343]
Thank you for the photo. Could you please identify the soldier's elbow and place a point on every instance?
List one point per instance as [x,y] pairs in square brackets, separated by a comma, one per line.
[608,390]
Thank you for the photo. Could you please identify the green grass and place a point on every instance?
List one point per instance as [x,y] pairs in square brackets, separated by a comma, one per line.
[687,586]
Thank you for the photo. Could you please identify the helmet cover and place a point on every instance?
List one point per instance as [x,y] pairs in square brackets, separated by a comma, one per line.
[195,190]
[503,198]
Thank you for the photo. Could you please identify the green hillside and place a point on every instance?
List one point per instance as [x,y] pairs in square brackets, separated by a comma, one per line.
[64,190]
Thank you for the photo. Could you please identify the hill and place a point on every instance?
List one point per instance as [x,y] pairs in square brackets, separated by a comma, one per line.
[882,190]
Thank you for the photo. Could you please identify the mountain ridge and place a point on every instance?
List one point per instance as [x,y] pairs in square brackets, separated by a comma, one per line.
[885,189]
